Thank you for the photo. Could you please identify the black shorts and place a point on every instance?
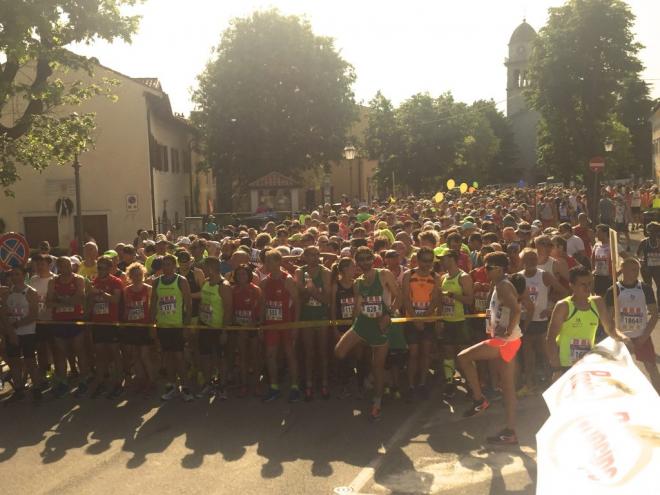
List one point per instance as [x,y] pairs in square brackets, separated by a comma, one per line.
[414,336]
[396,358]
[105,334]
[477,328]
[456,333]
[601,284]
[536,328]
[208,341]
[171,339]
[139,336]
[65,330]
[44,332]
[26,347]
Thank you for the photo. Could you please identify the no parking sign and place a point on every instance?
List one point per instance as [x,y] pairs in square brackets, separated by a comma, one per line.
[14,250]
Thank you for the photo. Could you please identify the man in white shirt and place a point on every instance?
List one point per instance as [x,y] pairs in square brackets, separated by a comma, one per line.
[574,245]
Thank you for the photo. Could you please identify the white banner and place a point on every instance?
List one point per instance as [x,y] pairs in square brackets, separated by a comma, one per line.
[603,434]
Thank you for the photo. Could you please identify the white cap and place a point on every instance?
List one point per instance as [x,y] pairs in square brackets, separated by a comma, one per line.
[183,241]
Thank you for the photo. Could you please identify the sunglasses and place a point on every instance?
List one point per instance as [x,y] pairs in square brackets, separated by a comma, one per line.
[491,267]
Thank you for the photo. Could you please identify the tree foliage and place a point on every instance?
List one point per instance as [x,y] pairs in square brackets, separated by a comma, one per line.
[427,140]
[274,97]
[584,82]
[35,36]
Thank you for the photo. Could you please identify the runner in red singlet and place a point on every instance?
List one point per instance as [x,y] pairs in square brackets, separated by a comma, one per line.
[246,301]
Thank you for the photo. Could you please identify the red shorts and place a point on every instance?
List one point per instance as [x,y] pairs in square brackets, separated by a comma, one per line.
[645,352]
[508,348]
[273,338]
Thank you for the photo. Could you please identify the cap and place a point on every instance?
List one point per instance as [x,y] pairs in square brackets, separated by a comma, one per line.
[468,226]
[161,238]
[149,242]
[110,253]
[297,251]
[183,241]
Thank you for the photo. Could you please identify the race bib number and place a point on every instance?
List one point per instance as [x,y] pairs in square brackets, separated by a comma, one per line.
[579,348]
[136,313]
[632,320]
[447,306]
[167,305]
[15,314]
[205,313]
[274,311]
[372,307]
[243,316]
[101,308]
[347,307]
[421,308]
[602,267]
[65,309]
[653,259]
[481,302]
[313,302]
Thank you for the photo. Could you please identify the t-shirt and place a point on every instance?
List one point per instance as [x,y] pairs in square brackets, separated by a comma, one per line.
[88,272]
[573,245]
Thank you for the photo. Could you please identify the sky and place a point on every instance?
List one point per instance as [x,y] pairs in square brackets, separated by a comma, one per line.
[400,47]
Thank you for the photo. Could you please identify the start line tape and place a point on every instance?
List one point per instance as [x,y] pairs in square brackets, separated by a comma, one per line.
[278,326]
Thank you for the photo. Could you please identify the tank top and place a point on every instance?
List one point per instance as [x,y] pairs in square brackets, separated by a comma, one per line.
[548,266]
[651,253]
[499,319]
[538,293]
[18,308]
[102,309]
[169,300]
[194,288]
[578,333]
[373,297]
[452,309]
[211,309]
[421,291]
[244,301]
[66,289]
[277,299]
[136,305]
[345,301]
[40,284]
[481,289]
[317,280]
[602,259]
[632,307]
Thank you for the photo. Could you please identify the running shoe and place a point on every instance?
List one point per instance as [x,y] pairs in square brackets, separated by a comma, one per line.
[171,391]
[295,395]
[325,393]
[374,414]
[526,391]
[207,391]
[505,437]
[221,393]
[477,407]
[396,395]
[493,394]
[115,393]
[60,390]
[450,391]
[186,395]
[387,391]
[82,389]
[309,394]
[273,394]
[423,392]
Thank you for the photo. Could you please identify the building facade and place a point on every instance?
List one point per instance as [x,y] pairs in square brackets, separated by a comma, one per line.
[524,121]
[655,130]
[138,175]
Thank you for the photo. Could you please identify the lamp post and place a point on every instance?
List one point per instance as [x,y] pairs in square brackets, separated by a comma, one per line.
[349,153]
[597,164]
[79,219]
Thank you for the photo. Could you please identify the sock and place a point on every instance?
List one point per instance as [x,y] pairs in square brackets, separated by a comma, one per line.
[274,386]
[449,369]
[377,401]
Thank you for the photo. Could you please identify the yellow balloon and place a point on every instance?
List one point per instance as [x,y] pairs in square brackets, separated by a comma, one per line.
[464,188]
[475,184]
[451,184]
[438,197]
[392,200]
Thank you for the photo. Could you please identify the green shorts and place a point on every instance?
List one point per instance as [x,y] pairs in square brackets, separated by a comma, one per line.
[369,331]
[313,313]
[456,333]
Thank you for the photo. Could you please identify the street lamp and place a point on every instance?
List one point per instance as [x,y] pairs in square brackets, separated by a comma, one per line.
[609,145]
[79,219]
[349,153]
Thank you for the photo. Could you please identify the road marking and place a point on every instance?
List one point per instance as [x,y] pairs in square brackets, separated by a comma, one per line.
[368,472]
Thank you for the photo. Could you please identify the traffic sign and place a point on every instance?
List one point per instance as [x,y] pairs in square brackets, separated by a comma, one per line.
[597,163]
[14,250]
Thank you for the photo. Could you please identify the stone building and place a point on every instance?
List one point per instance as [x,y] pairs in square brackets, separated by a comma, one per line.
[523,120]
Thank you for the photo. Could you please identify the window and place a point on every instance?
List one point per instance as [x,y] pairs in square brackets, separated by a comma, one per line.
[186,162]
[155,154]
[175,161]
[166,163]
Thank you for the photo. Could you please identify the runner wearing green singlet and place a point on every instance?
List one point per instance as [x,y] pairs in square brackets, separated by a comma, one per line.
[572,329]
[170,307]
[313,281]
[456,292]
[376,298]
[215,310]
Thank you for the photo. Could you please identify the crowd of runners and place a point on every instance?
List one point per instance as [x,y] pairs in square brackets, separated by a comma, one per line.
[312,302]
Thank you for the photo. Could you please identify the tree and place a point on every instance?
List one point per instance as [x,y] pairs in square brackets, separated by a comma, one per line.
[34,35]
[581,70]
[274,97]
[501,168]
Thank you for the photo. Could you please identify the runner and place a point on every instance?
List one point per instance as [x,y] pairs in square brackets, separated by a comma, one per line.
[502,346]
[65,297]
[457,292]
[281,305]
[574,321]
[139,340]
[103,300]
[171,307]
[343,294]
[246,299]
[313,281]
[21,308]
[601,260]
[215,311]
[420,296]
[88,267]
[638,315]
[649,254]
[46,348]
[376,298]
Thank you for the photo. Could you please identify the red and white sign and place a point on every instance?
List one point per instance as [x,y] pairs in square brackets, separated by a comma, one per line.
[597,163]
[14,251]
